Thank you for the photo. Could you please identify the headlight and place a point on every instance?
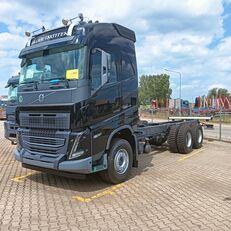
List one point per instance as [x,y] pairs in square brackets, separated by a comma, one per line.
[74,152]
[77,154]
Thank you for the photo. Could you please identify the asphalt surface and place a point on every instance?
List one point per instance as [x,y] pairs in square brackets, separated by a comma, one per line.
[215,132]
[167,192]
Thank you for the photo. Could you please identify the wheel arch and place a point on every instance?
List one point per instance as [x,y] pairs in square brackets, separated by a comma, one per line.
[125,132]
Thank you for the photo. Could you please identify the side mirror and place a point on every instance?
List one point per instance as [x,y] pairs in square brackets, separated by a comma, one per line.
[106,66]
[109,62]
[100,74]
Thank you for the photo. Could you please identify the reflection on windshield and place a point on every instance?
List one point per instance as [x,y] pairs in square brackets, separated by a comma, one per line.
[53,64]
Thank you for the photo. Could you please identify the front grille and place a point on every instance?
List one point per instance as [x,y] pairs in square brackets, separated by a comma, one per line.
[45,120]
[41,150]
[43,141]
[41,133]
[11,118]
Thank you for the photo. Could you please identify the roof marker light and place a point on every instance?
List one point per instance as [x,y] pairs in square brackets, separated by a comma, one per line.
[28,34]
[65,22]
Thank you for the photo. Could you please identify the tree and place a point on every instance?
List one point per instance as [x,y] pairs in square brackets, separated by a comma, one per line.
[218,92]
[154,87]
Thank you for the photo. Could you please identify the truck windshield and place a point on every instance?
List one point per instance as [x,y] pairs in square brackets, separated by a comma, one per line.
[12,93]
[59,63]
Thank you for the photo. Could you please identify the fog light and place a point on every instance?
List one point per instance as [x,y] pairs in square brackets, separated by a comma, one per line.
[77,154]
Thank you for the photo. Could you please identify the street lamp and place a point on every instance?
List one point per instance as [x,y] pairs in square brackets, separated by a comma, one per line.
[177,72]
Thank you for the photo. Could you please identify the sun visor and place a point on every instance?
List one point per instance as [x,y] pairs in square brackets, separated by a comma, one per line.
[48,45]
[125,32]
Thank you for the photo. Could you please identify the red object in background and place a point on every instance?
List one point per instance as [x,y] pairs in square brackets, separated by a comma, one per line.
[154,104]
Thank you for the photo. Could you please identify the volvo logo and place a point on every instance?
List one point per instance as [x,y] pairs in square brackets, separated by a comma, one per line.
[20,99]
[41,97]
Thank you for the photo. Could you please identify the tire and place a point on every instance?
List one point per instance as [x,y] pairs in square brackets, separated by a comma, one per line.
[172,138]
[118,171]
[197,136]
[184,139]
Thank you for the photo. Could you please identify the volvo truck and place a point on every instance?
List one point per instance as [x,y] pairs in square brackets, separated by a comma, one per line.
[10,125]
[78,104]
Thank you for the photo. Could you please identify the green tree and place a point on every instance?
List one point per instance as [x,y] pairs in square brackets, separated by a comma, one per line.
[218,92]
[154,87]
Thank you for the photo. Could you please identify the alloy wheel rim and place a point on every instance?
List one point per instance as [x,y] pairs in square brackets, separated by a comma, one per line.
[188,139]
[199,136]
[121,161]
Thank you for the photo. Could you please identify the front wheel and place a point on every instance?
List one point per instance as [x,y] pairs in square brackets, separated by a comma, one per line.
[120,160]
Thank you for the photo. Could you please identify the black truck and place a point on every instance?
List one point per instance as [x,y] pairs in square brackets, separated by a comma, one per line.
[10,125]
[78,104]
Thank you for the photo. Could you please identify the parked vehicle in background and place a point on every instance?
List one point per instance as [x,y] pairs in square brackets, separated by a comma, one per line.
[3,104]
[10,126]
[179,104]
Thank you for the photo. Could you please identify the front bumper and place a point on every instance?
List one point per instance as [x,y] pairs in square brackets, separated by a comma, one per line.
[83,166]
[53,149]
[50,149]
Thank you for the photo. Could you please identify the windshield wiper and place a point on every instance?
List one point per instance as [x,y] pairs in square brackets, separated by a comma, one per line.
[58,78]
[31,81]
[54,81]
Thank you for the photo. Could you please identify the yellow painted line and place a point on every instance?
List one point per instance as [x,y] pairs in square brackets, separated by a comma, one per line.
[20,179]
[190,155]
[109,191]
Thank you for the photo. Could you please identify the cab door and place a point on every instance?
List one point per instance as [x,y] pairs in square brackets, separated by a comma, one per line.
[104,102]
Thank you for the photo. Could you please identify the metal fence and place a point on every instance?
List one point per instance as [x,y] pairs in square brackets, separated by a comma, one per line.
[220,128]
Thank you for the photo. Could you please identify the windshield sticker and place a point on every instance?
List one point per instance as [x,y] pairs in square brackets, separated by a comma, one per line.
[72,74]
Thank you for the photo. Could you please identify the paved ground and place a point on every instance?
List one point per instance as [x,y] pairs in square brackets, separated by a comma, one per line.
[167,192]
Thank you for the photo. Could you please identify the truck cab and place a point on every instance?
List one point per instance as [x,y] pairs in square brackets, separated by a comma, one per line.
[10,126]
[77,101]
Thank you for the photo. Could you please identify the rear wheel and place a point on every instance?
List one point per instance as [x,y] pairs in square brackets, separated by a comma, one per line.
[197,136]
[184,139]
[120,160]
[172,138]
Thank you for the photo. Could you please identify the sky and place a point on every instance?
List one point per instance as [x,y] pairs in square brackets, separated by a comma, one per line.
[192,37]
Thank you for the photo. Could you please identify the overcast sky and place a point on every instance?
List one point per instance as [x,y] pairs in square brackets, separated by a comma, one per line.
[190,36]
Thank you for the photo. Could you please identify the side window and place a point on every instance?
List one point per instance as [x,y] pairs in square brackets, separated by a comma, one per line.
[95,69]
[127,69]
[113,71]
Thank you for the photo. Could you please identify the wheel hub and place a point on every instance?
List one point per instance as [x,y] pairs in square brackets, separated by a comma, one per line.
[199,136]
[188,139]
[121,161]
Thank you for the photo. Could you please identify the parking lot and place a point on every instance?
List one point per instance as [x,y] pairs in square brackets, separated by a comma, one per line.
[167,192]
